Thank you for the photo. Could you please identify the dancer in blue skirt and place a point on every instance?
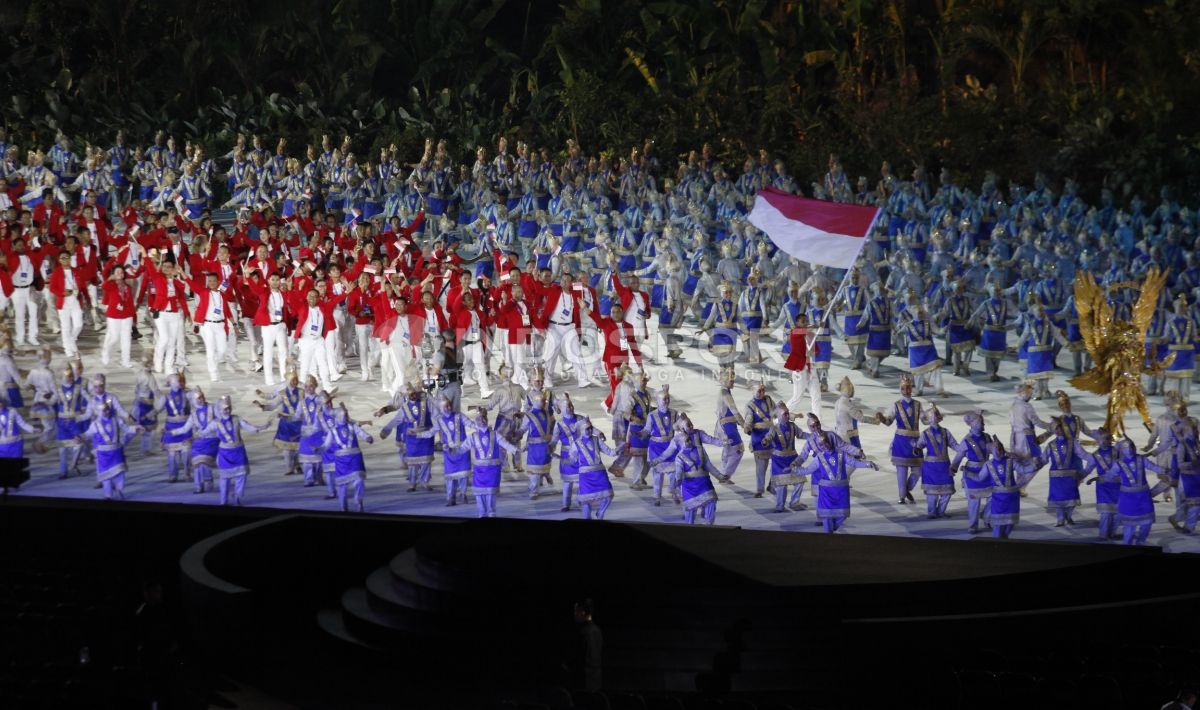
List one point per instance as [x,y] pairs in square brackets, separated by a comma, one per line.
[693,471]
[1180,336]
[232,463]
[991,318]
[562,436]
[1008,476]
[205,443]
[145,396]
[537,425]
[1066,470]
[972,454]
[109,435]
[595,489]
[924,363]
[177,406]
[831,469]
[879,329]
[906,456]
[342,438]
[1135,501]
[12,446]
[1040,339]
[937,481]
[485,446]
[70,409]
[312,435]
[1107,480]
[782,436]
[287,400]
[456,464]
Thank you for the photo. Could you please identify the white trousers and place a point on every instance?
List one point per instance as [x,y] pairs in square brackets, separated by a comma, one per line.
[474,369]
[231,341]
[368,348]
[518,359]
[313,359]
[806,380]
[564,340]
[401,361]
[120,330]
[275,349]
[253,339]
[25,311]
[168,328]
[215,342]
[338,345]
[46,302]
[333,347]
[167,331]
[70,317]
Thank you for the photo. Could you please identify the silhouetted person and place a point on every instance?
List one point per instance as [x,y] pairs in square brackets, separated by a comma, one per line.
[591,646]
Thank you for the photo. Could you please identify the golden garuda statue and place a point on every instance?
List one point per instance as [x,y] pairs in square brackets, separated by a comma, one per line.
[1116,347]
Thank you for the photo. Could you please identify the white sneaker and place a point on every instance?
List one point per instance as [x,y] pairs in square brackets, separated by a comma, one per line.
[365,378]
[336,376]
[35,344]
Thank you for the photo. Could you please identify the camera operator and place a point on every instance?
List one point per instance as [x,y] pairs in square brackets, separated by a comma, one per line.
[446,370]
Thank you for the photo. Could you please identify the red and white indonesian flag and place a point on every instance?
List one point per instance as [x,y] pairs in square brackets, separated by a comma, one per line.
[819,232]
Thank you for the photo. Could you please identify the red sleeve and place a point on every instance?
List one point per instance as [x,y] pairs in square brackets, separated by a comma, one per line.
[408,231]
[623,292]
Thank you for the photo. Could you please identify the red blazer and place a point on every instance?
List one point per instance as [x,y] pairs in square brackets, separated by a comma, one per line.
[417,310]
[101,234]
[118,300]
[121,257]
[262,292]
[326,308]
[12,262]
[266,268]
[626,295]
[612,337]
[797,359]
[361,305]
[509,317]
[58,285]
[159,300]
[549,307]
[461,321]
[201,313]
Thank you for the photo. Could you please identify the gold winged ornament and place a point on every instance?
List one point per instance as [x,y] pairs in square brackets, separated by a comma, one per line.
[1117,348]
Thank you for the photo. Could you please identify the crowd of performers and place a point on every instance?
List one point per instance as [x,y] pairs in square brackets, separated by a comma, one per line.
[522,268]
[537,431]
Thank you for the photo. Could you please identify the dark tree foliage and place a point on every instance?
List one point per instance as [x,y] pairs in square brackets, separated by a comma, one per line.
[1091,89]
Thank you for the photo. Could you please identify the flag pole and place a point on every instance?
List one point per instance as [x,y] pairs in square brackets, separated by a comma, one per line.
[840,289]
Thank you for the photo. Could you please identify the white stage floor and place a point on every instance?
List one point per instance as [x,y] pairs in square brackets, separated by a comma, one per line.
[693,388]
